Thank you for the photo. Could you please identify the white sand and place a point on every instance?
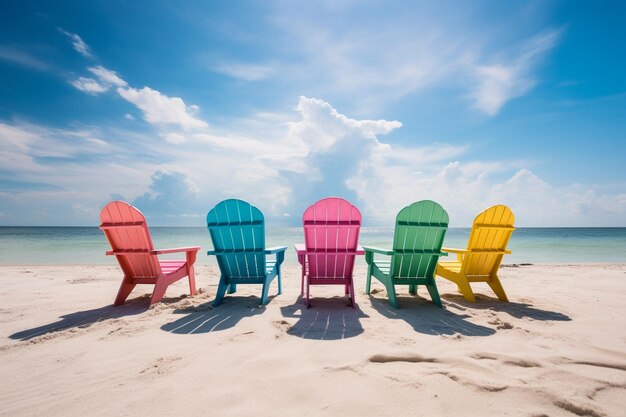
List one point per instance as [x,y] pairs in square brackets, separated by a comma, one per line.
[558,349]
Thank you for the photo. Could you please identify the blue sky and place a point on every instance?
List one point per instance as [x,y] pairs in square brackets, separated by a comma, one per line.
[174,106]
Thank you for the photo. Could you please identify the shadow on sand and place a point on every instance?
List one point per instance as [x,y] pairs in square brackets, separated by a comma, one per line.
[205,318]
[427,318]
[517,310]
[83,319]
[327,319]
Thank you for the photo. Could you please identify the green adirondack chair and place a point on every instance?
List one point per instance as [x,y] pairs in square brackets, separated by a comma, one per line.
[420,229]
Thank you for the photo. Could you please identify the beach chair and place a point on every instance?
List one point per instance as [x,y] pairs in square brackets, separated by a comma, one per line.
[237,230]
[331,236]
[418,236]
[485,249]
[126,230]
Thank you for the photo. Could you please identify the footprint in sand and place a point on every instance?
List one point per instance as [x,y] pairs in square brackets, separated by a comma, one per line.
[521,362]
[162,366]
[404,341]
[483,386]
[383,358]
[282,326]
[456,336]
[502,325]
[578,409]
[123,329]
[240,336]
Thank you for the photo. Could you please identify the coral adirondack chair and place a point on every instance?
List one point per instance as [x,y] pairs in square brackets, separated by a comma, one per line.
[126,230]
[331,236]
[237,230]
[486,247]
[418,237]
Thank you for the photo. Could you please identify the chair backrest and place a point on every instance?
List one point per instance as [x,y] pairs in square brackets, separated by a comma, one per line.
[237,230]
[331,237]
[488,239]
[417,240]
[126,230]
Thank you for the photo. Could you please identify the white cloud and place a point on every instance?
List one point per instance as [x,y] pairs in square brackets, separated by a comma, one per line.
[174,138]
[500,83]
[157,108]
[107,76]
[246,72]
[106,80]
[161,109]
[17,56]
[77,42]
[412,50]
[89,85]
[129,116]
[281,168]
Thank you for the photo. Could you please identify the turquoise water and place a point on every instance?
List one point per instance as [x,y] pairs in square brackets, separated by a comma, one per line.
[86,245]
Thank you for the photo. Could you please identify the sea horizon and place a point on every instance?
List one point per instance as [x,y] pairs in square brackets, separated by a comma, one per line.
[86,245]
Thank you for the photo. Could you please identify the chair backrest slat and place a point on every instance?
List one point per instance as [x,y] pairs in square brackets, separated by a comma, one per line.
[331,237]
[126,230]
[238,228]
[418,237]
[491,232]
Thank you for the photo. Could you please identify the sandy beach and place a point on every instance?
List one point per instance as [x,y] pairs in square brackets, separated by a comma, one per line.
[557,349]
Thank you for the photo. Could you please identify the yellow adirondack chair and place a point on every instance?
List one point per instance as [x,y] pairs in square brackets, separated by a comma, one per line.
[485,249]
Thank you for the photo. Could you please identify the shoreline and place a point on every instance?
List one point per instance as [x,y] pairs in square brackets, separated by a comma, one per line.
[557,348]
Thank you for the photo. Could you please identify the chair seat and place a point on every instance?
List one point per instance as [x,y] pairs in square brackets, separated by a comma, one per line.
[169,267]
[450,266]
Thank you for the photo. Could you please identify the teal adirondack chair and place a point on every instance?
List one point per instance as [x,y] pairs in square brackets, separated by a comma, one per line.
[237,230]
[420,229]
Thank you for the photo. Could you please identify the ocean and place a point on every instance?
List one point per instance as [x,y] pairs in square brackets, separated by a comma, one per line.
[87,245]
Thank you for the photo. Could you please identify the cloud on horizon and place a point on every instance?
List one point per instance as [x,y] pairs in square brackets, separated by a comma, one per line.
[281,173]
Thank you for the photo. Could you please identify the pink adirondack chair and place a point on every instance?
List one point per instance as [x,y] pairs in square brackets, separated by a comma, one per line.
[331,236]
[126,230]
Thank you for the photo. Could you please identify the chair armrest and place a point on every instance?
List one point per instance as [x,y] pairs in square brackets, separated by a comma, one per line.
[279,251]
[275,249]
[175,250]
[370,251]
[127,252]
[378,250]
[461,251]
[300,248]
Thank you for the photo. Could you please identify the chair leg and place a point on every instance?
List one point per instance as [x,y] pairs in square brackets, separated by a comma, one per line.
[232,288]
[192,281]
[413,289]
[126,287]
[391,294]
[466,290]
[221,291]
[308,292]
[159,291]
[434,293]
[266,287]
[280,281]
[496,286]
[368,283]
[302,282]
[351,289]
